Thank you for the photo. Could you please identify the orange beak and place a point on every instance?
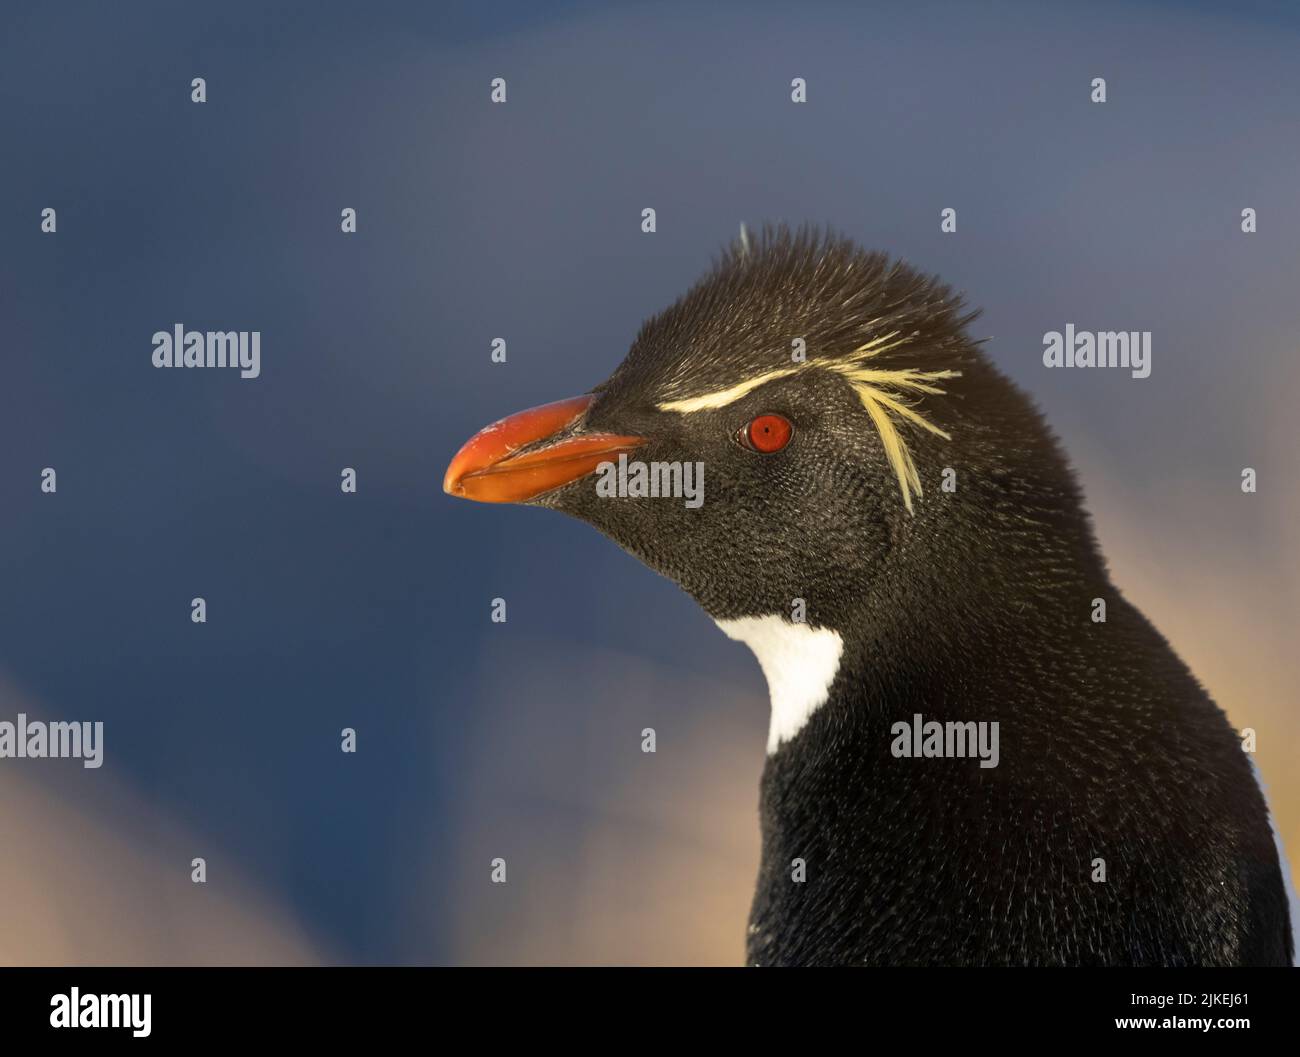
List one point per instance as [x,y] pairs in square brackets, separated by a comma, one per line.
[487,469]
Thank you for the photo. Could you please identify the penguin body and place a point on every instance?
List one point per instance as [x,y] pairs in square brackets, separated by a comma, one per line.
[1121,825]
[1109,756]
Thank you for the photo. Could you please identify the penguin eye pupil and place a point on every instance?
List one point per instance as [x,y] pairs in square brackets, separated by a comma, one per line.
[768,433]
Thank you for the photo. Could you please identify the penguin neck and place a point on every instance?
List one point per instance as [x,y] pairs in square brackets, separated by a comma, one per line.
[835,806]
[924,638]
[907,639]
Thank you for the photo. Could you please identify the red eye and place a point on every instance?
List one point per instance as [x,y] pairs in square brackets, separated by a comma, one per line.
[768,433]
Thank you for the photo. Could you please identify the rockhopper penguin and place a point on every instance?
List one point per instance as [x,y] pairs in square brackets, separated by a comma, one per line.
[970,606]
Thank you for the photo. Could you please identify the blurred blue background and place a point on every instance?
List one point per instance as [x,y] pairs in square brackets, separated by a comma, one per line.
[522,221]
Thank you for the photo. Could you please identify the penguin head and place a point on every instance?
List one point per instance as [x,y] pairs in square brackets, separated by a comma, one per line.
[799,405]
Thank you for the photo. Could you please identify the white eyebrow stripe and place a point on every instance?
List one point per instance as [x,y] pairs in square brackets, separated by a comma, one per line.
[723,397]
[883,392]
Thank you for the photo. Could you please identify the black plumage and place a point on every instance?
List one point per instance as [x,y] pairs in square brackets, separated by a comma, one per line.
[974,605]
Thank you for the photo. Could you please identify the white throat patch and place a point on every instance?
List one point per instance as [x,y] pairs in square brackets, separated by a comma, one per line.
[799,664]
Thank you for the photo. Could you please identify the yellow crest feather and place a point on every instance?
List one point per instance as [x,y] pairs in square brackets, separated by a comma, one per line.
[881,391]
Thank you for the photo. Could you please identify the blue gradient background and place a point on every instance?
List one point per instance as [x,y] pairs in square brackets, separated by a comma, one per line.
[522,221]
